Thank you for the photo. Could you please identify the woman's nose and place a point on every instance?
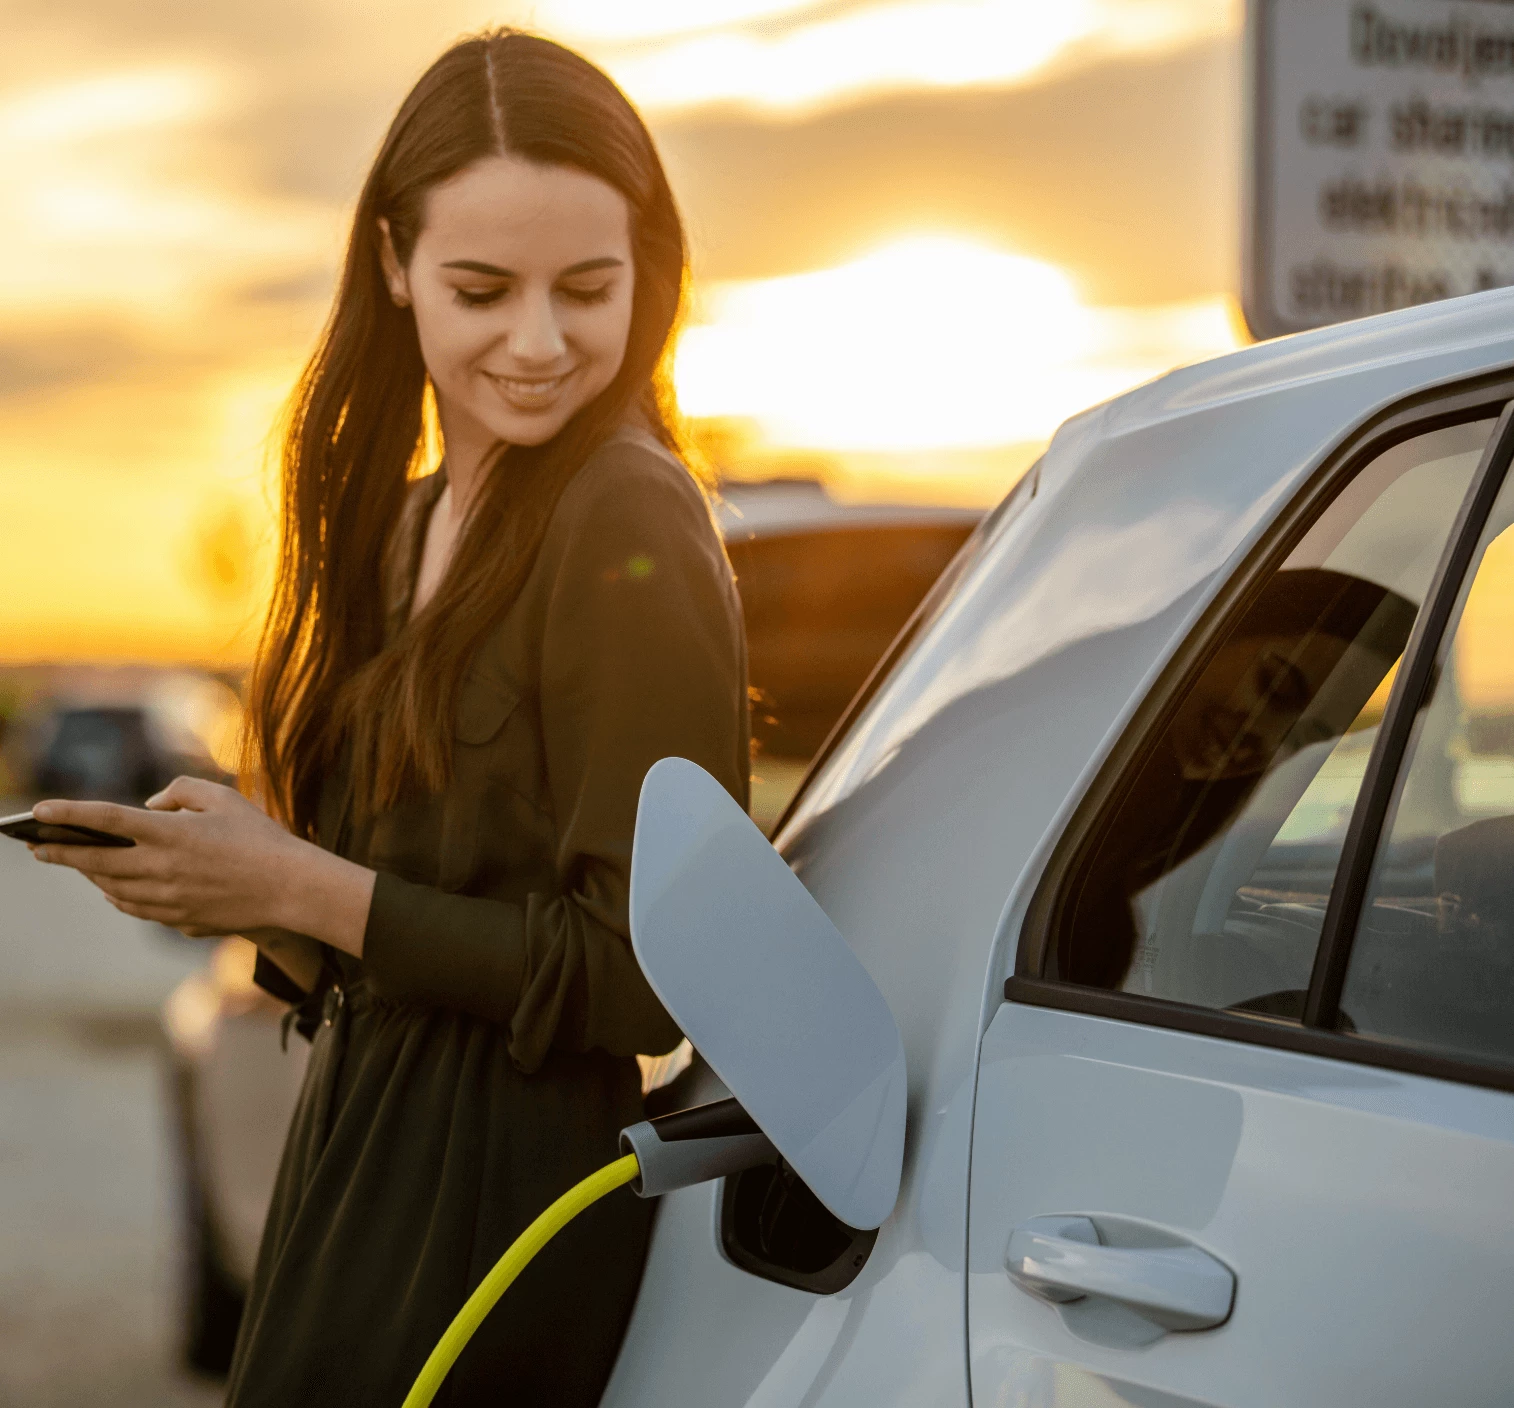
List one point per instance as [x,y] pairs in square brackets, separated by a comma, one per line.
[536,336]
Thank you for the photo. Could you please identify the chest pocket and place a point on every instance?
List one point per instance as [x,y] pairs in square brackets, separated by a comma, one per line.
[436,839]
[484,704]
[491,760]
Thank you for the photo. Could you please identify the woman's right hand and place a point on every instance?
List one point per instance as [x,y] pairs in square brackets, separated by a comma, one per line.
[209,862]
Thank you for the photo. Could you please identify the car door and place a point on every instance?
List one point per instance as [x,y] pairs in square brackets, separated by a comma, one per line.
[1243,1131]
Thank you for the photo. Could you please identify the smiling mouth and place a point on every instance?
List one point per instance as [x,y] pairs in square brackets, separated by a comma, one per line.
[530,393]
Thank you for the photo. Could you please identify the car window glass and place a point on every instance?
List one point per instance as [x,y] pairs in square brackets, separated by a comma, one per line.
[1207,880]
[1433,959]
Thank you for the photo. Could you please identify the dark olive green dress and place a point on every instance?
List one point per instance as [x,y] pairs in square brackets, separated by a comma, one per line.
[479,1060]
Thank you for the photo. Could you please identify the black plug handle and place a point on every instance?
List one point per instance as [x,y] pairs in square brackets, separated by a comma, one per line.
[694,1146]
[720,1119]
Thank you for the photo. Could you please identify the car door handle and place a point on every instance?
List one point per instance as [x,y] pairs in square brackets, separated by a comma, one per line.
[1062,1259]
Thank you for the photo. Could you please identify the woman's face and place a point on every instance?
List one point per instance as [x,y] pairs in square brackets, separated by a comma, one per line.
[521,282]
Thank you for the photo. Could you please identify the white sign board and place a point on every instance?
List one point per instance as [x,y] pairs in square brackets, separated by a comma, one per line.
[1382,156]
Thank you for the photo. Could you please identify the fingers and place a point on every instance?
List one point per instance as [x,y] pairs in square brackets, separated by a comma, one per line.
[156,914]
[144,894]
[102,816]
[202,852]
[136,894]
[112,861]
[166,915]
[187,794]
[138,891]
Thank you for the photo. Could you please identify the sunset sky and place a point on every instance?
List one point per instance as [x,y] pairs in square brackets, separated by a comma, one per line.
[925,231]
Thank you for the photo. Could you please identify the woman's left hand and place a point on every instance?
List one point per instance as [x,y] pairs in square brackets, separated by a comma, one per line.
[206,861]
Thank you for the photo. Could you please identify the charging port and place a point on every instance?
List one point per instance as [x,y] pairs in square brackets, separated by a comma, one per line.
[773,1226]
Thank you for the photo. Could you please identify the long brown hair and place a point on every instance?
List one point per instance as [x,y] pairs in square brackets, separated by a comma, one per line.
[355,435]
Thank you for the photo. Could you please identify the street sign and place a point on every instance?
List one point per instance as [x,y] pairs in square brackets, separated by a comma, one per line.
[1381,156]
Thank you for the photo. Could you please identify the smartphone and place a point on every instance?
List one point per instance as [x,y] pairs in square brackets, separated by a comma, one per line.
[26,827]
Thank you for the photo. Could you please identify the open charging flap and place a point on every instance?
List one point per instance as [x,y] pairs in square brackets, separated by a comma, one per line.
[768,992]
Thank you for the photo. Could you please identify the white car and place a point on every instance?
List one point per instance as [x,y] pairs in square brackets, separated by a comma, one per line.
[1179,839]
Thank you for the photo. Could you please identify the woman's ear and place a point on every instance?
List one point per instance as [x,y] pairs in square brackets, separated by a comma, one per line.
[395,274]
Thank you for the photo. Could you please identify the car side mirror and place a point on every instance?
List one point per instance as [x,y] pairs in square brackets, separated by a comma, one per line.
[768,992]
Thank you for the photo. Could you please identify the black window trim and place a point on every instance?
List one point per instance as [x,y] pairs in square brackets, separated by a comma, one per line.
[1489,396]
[1255,1030]
[1422,656]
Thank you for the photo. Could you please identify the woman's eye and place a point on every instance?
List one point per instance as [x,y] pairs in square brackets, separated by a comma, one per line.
[479,298]
[588,295]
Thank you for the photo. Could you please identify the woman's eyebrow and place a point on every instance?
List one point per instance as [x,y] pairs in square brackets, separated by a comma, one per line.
[588,266]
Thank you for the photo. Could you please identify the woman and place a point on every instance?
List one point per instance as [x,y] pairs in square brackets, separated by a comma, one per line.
[463,680]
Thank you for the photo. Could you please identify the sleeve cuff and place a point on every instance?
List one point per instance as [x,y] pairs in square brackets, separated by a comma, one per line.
[427,946]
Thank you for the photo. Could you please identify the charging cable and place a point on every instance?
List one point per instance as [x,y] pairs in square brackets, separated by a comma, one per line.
[675,1151]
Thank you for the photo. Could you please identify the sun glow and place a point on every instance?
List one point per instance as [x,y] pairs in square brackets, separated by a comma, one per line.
[785,56]
[173,209]
[111,103]
[617,21]
[932,342]
[99,211]
[890,46]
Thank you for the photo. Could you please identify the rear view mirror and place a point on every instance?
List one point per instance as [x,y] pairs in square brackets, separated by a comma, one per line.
[767,991]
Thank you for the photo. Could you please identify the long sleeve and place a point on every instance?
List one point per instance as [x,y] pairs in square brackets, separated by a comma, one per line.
[641,657]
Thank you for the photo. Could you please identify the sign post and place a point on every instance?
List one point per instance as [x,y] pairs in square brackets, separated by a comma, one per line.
[1381,156]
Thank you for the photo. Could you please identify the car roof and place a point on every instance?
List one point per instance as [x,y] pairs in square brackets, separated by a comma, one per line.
[1391,348]
[769,508]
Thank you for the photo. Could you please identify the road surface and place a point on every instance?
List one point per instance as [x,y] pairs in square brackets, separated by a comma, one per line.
[88,1199]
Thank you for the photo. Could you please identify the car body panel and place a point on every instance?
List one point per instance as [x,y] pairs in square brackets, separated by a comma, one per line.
[925,830]
[240,1084]
[1365,1213]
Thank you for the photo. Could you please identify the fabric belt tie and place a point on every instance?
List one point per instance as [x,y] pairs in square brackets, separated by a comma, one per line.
[316,1011]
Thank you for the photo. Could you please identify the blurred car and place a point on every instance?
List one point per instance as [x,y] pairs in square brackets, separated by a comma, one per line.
[117,753]
[825,587]
[232,1091]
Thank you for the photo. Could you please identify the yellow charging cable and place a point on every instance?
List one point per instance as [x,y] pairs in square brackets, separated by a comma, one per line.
[508,1267]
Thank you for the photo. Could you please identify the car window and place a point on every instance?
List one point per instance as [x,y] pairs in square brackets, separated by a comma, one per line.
[1433,959]
[1207,878]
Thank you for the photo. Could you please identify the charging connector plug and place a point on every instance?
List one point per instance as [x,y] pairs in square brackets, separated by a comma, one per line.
[657,1156]
[694,1146]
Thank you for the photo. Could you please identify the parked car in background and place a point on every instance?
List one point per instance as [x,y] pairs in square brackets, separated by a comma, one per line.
[119,753]
[825,587]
